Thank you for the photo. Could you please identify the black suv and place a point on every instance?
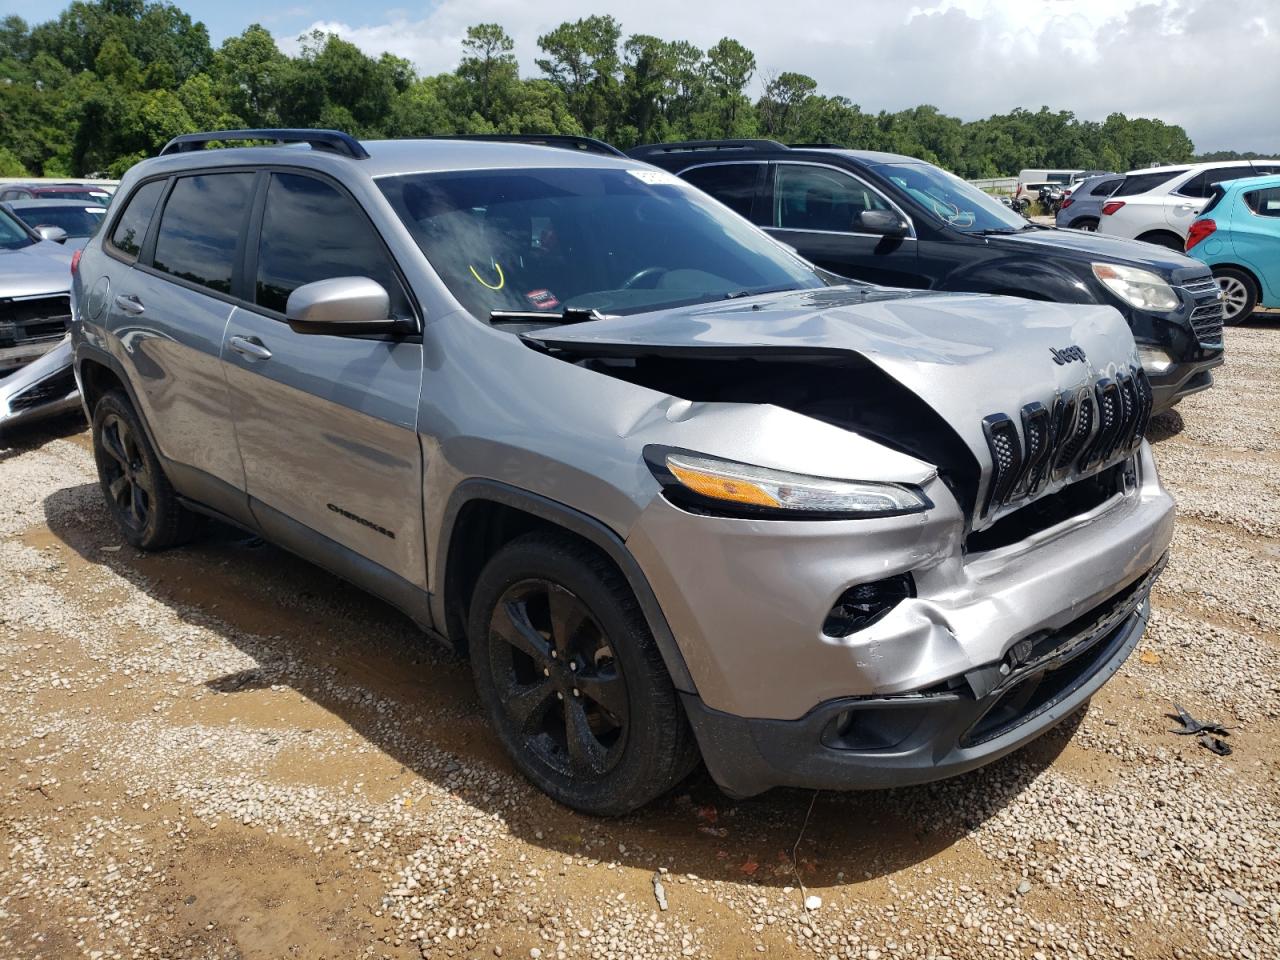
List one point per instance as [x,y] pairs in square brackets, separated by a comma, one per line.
[895,220]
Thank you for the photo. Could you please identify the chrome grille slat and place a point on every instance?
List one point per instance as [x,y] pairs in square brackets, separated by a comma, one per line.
[1206,315]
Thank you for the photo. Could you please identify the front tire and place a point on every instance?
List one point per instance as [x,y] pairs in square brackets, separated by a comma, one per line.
[572,680]
[139,496]
[1239,294]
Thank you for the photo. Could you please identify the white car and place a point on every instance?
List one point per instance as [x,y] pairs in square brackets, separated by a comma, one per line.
[1158,204]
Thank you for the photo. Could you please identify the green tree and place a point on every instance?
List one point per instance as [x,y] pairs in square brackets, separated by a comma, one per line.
[582,60]
[490,67]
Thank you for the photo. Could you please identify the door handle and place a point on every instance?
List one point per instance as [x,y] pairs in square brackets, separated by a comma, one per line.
[130,304]
[250,347]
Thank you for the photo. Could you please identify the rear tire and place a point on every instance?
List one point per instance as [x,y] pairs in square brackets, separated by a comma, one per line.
[1088,224]
[572,680]
[139,496]
[1239,294]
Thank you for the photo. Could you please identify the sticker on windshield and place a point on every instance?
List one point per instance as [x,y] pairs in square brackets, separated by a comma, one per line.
[656,178]
[542,299]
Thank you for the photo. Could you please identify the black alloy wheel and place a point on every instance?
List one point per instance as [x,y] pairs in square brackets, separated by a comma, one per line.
[571,678]
[125,475]
[139,496]
[558,680]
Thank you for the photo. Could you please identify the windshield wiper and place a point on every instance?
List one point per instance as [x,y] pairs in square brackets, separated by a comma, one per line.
[757,291]
[569,315]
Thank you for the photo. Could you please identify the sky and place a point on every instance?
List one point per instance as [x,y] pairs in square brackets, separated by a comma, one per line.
[1212,66]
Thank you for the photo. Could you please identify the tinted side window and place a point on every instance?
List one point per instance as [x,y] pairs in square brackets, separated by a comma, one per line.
[815,198]
[1202,185]
[200,228]
[131,227]
[1265,203]
[1104,188]
[1142,182]
[311,231]
[733,184]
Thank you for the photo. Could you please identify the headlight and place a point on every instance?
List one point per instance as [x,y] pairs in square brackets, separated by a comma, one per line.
[1154,359]
[1138,288]
[748,490]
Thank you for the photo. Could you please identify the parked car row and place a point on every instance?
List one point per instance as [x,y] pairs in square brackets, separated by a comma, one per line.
[535,398]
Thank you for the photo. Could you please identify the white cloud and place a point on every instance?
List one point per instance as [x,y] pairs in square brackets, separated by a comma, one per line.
[1212,66]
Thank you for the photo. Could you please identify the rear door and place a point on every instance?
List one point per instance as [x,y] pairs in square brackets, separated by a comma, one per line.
[167,307]
[327,425]
[818,210]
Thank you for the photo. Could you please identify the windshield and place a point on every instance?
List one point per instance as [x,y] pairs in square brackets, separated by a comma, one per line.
[614,240]
[12,236]
[958,204]
[76,221]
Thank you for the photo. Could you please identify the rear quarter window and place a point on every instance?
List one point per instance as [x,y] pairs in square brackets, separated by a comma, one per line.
[1142,182]
[131,226]
[1265,202]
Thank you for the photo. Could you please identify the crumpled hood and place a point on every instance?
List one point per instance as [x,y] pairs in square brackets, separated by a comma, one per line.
[966,355]
[41,268]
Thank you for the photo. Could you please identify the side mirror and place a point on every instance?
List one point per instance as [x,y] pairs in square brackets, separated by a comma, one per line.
[885,222]
[341,305]
[48,232]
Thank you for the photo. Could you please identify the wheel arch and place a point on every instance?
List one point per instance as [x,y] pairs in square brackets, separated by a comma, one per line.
[482,515]
[1151,236]
[1247,271]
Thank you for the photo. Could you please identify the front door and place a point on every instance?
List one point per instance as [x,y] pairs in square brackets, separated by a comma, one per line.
[818,211]
[327,425]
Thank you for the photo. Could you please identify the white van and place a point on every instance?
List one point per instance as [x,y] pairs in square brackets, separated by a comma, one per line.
[1061,177]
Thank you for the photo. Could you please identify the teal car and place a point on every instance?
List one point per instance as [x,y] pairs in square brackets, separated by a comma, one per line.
[1238,236]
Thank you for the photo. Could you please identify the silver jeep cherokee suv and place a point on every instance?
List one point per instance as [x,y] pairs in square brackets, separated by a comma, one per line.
[672,490]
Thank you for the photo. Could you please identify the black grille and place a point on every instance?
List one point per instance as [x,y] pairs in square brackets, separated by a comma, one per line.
[46,391]
[33,318]
[1088,429]
[1206,321]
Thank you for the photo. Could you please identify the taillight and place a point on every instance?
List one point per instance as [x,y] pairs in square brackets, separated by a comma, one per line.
[1199,230]
[75,262]
[1111,206]
[1067,202]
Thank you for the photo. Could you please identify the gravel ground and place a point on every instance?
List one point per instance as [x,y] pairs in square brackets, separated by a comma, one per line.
[221,751]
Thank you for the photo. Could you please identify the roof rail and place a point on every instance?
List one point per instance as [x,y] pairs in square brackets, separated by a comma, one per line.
[817,146]
[680,146]
[333,141]
[564,140]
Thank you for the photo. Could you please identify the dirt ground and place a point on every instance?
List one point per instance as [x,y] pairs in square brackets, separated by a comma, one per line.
[221,751]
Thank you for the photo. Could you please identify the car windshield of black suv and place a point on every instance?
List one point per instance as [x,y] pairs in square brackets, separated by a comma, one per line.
[958,204]
[617,241]
[12,236]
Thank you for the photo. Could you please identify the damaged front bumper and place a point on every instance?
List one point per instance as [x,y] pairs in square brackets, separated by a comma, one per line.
[997,644]
[43,388]
[913,738]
